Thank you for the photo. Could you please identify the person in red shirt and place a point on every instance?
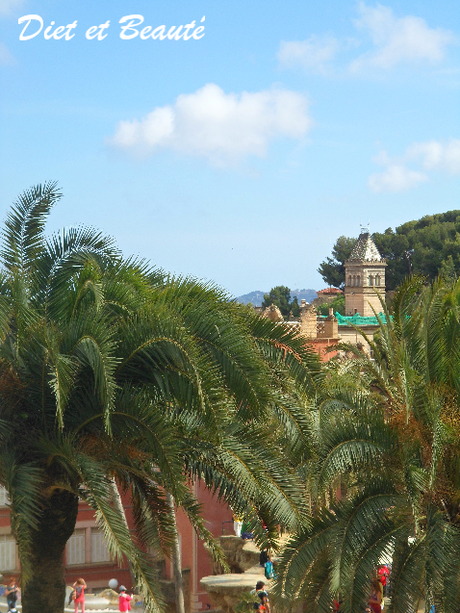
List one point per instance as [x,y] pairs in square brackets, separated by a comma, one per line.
[383,573]
[124,599]
[79,588]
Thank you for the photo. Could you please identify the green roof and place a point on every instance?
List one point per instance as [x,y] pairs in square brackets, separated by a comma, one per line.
[359,320]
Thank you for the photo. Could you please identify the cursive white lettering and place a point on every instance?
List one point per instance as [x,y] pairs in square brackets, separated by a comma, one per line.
[187,28]
[29,19]
[199,30]
[91,32]
[159,33]
[97,31]
[130,29]
[130,26]
[69,27]
[145,32]
[59,32]
[47,31]
[173,33]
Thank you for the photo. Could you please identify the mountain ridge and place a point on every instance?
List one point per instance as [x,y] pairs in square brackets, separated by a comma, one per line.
[256,297]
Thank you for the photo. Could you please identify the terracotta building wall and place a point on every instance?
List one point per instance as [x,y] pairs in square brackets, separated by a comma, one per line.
[98,574]
[218,517]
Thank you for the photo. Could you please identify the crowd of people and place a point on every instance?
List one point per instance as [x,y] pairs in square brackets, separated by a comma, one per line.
[78,596]
[261,598]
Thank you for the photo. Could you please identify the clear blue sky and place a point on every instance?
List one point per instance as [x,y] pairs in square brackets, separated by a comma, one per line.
[241,156]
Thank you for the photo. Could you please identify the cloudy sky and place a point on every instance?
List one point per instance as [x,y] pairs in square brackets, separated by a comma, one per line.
[232,141]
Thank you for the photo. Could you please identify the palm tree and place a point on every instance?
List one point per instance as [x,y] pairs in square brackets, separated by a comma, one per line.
[115,377]
[392,443]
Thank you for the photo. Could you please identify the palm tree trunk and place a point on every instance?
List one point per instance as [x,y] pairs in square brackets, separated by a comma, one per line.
[176,560]
[121,509]
[45,590]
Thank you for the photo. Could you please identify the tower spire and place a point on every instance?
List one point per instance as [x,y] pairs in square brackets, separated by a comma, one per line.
[364,277]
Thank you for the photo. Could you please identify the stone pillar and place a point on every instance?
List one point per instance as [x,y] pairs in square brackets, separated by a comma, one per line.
[308,322]
[331,326]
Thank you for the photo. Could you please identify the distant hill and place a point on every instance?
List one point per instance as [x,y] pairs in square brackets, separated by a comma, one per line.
[308,294]
[257,297]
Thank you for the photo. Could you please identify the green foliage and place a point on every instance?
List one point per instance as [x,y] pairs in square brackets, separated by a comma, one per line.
[113,374]
[338,304]
[295,307]
[391,442]
[281,297]
[245,603]
[423,247]
[448,271]
[332,269]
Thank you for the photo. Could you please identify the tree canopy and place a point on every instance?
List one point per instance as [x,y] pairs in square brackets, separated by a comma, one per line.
[332,269]
[115,376]
[428,246]
[338,306]
[387,437]
[281,297]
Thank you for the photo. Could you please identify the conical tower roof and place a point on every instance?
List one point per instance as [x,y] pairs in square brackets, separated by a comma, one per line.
[365,250]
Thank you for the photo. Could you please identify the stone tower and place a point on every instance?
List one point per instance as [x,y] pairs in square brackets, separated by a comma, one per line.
[364,278]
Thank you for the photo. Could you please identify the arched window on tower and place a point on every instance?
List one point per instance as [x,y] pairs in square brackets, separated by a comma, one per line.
[371,280]
[349,279]
[354,279]
[377,280]
[358,281]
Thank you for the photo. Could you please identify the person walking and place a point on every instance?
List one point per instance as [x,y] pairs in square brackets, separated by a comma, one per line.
[79,597]
[124,599]
[237,524]
[262,595]
[12,593]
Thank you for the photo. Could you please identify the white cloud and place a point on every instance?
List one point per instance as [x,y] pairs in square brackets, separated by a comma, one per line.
[429,156]
[6,58]
[7,7]
[223,128]
[396,178]
[314,53]
[396,40]
[435,155]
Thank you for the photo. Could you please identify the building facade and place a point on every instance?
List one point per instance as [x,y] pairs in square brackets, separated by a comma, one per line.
[86,552]
[364,278]
[87,556]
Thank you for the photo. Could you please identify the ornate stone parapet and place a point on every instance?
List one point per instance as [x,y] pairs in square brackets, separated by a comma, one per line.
[308,320]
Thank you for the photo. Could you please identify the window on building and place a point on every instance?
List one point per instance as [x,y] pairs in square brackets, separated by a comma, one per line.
[7,552]
[99,551]
[349,279]
[76,548]
[377,280]
[371,280]
[358,281]
[4,499]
